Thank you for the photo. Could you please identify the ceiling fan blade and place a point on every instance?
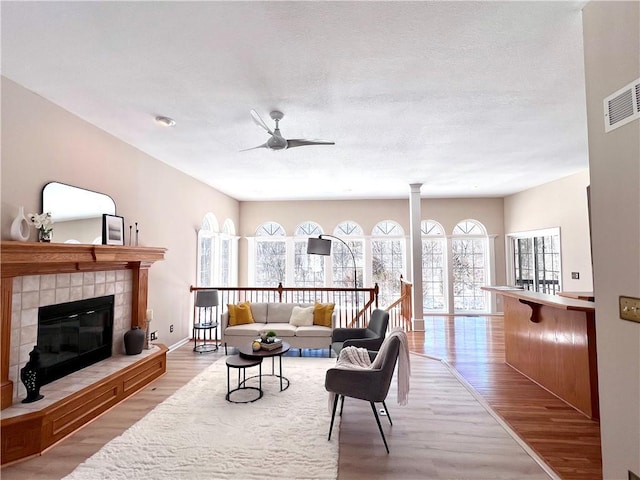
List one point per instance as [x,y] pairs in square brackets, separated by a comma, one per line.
[258,121]
[264,145]
[300,142]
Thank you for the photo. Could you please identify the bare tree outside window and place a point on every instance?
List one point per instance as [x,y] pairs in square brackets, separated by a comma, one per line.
[433,266]
[308,269]
[206,250]
[343,267]
[469,267]
[271,255]
[536,261]
[387,259]
[204,279]
[227,254]
[548,263]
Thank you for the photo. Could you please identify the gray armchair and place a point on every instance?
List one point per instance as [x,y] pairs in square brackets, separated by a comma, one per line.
[371,385]
[370,338]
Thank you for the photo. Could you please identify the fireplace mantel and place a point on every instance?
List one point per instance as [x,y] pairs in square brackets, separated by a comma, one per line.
[30,258]
[20,258]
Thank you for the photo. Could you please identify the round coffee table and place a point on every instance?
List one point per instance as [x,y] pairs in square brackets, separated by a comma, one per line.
[247,352]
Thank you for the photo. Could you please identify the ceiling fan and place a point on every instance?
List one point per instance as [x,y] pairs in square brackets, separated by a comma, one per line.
[277,141]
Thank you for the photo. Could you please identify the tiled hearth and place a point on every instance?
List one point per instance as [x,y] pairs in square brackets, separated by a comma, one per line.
[34,291]
[75,382]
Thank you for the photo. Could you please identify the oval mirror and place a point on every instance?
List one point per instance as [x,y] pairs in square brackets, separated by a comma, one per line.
[76,212]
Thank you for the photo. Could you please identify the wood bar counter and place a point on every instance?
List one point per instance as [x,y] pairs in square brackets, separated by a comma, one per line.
[552,340]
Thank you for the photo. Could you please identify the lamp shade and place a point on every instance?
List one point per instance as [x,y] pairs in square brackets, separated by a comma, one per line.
[319,246]
[207,298]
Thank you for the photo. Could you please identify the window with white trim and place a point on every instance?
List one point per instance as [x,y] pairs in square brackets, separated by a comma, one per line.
[434,266]
[228,276]
[388,259]
[207,251]
[308,269]
[470,266]
[536,260]
[343,263]
[270,255]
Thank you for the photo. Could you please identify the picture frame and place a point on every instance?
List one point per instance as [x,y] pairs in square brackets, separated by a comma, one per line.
[112,229]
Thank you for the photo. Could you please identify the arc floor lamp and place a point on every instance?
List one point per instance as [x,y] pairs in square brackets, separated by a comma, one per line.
[322,246]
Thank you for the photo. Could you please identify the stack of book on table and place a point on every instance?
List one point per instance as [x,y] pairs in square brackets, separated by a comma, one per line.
[277,343]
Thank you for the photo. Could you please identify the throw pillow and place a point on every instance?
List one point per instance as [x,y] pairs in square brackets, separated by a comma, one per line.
[302,316]
[240,314]
[322,314]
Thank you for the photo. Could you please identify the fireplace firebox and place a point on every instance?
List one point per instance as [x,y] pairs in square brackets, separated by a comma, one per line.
[74,335]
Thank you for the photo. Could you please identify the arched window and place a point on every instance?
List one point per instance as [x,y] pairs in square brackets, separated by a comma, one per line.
[343,268]
[470,266]
[387,259]
[206,250]
[434,266]
[270,255]
[308,269]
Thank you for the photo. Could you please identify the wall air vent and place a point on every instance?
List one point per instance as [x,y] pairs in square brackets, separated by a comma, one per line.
[622,106]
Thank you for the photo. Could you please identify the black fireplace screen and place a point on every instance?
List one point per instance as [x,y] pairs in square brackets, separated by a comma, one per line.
[74,335]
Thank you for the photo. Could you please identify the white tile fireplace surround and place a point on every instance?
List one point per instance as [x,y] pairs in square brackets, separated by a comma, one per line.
[33,291]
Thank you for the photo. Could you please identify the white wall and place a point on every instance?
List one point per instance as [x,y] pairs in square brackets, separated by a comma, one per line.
[612,60]
[563,204]
[42,142]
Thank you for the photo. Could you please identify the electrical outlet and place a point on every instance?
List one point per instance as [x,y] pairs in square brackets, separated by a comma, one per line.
[154,335]
[575,275]
[171,328]
[630,308]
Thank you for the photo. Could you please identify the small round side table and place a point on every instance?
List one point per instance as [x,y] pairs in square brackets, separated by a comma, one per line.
[241,364]
[203,344]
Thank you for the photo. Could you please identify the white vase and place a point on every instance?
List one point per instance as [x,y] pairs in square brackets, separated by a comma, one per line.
[20,227]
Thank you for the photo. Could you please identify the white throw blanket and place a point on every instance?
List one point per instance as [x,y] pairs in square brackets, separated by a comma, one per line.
[355,358]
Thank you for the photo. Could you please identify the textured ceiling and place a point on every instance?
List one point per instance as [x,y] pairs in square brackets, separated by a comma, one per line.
[468,98]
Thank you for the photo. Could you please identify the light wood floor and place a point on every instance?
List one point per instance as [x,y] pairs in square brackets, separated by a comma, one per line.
[568,441]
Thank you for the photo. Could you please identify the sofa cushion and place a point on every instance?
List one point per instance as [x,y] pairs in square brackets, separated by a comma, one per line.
[323,314]
[314,331]
[279,312]
[246,330]
[283,330]
[301,316]
[259,312]
[240,314]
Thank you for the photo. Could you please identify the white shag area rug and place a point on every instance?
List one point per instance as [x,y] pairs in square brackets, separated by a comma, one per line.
[197,434]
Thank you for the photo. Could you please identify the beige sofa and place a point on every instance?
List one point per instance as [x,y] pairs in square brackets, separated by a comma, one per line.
[275,316]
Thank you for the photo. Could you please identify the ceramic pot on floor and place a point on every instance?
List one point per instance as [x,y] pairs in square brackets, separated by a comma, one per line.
[134,341]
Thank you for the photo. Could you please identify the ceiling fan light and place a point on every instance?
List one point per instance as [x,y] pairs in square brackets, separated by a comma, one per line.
[166,121]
